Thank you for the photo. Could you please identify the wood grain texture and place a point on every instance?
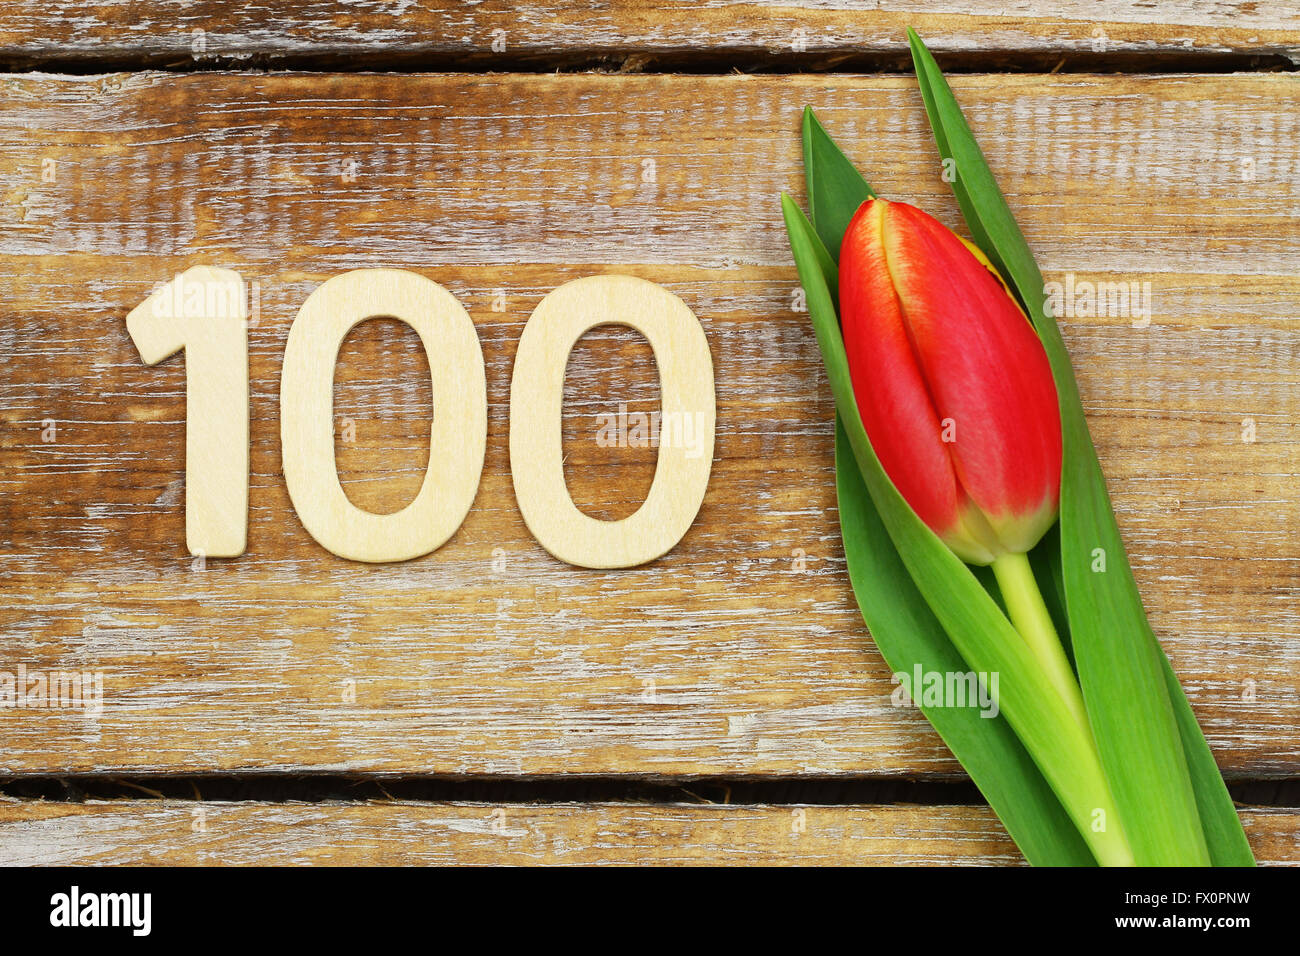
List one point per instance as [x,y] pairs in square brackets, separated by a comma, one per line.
[640,29]
[184,833]
[738,652]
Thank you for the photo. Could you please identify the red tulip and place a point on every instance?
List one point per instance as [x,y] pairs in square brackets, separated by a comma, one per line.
[954,388]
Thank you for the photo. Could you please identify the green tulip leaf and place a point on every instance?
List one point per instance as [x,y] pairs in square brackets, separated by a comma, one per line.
[835,187]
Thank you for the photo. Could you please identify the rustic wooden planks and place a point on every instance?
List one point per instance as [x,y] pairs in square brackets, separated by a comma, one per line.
[186,833]
[639,31]
[738,652]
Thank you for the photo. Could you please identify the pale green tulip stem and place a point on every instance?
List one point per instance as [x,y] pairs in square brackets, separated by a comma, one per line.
[1030,617]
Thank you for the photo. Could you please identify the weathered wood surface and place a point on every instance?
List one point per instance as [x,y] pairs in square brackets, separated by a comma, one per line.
[185,833]
[642,30]
[741,650]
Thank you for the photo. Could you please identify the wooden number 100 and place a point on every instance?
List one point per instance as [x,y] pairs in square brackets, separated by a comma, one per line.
[203,312]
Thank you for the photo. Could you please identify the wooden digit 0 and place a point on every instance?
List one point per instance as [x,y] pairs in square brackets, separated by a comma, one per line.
[536,404]
[458,435]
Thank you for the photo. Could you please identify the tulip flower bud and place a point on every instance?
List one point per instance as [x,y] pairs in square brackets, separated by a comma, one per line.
[953,384]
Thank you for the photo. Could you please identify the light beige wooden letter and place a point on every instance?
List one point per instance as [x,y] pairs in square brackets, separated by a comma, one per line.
[457,437]
[203,311]
[686,426]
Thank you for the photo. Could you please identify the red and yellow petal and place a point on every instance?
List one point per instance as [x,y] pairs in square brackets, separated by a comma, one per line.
[952,382]
[893,400]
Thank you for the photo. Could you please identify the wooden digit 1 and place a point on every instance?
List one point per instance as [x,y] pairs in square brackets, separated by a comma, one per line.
[457,438]
[687,408]
[204,311]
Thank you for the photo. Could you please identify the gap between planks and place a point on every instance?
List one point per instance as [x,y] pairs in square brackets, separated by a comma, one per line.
[712,63]
[562,788]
